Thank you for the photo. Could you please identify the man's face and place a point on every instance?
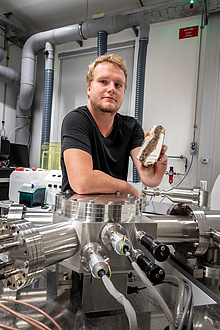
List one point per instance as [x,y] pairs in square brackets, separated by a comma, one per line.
[106,91]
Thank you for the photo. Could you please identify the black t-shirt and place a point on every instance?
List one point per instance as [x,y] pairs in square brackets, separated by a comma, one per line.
[110,154]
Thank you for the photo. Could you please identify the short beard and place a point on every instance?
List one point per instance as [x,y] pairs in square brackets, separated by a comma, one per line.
[104,109]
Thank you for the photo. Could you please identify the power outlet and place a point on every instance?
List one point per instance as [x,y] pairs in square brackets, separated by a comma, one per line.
[205,160]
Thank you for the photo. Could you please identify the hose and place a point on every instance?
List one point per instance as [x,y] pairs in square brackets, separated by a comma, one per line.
[48,92]
[46,122]
[140,80]
[179,305]
[155,295]
[102,43]
[129,310]
[186,172]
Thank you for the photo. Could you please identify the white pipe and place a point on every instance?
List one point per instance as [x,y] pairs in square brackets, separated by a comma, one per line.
[9,76]
[31,47]
[49,58]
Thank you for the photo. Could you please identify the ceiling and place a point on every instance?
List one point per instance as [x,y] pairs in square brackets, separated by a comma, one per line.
[42,15]
[33,16]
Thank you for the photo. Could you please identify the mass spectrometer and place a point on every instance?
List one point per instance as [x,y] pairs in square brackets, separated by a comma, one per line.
[111,236]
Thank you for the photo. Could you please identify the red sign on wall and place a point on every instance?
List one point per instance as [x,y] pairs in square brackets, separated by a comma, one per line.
[189,32]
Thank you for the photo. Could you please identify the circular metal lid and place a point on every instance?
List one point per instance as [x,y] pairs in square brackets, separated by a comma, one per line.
[98,208]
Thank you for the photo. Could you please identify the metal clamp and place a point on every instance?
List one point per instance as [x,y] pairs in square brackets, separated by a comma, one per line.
[198,215]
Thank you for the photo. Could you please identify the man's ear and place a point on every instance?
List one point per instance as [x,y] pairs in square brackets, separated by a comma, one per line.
[88,89]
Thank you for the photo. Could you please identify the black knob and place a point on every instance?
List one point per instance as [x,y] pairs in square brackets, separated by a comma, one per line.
[154,272]
[158,250]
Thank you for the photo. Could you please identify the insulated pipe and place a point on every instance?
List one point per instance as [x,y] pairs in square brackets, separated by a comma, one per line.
[48,92]
[22,125]
[102,43]
[12,77]
[9,76]
[31,47]
[89,29]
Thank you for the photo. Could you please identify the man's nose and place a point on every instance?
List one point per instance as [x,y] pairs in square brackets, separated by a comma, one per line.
[111,86]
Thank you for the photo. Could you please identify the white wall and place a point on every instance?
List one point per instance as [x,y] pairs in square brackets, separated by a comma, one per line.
[210,119]
[170,98]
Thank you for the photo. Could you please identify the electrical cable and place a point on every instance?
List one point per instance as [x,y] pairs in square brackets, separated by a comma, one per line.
[35,308]
[141,3]
[188,305]
[87,9]
[198,78]
[7,327]
[109,269]
[17,129]
[155,295]
[179,305]
[3,131]
[34,323]
[190,319]
[151,200]
[127,254]
[129,310]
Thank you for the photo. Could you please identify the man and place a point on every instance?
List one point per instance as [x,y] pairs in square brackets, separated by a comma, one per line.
[96,141]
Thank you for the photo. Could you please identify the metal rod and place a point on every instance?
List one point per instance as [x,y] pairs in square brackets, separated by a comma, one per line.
[8,246]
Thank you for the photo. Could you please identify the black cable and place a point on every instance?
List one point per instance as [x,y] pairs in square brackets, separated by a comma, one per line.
[130,258]
[141,3]
[125,249]
[2,277]
[127,253]
[134,289]
[101,272]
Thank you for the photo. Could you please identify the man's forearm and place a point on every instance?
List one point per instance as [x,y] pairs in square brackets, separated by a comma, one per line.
[98,182]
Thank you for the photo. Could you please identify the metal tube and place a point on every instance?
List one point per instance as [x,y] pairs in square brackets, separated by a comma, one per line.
[59,242]
[8,246]
[172,229]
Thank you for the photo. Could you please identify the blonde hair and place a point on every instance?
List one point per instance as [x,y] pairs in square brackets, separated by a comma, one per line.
[110,58]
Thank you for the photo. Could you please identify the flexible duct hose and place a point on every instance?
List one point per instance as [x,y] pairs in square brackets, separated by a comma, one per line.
[48,92]
[155,295]
[129,310]
[140,80]
[142,53]
[102,43]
